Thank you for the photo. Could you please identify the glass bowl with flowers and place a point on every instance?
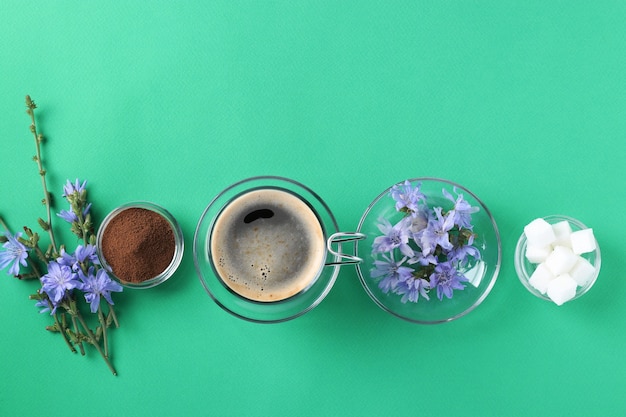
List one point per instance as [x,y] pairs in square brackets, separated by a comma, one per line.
[431,252]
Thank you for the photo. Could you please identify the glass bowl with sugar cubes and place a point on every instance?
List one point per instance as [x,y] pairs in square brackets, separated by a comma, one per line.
[557,258]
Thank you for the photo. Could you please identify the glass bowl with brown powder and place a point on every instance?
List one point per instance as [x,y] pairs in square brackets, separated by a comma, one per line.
[140,244]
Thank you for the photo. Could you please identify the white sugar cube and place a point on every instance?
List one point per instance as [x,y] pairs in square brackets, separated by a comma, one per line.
[582,272]
[583,241]
[562,289]
[561,260]
[541,278]
[537,254]
[539,233]
[562,231]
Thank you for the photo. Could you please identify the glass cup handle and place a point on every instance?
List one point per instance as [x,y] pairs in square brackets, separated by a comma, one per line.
[338,239]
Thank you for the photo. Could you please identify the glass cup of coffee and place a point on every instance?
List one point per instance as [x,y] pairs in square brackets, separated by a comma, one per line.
[268,249]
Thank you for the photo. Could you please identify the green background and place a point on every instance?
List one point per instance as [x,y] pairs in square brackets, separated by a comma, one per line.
[523,102]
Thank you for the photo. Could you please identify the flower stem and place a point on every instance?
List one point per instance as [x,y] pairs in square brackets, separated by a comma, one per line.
[33,266]
[79,343]
[103,324]
[94,342]
[42,256]
[81,223]
[113,315]
[31,106]
[4,225]
[61,329]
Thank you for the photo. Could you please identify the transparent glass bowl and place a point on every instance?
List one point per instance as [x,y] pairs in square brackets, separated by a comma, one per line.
[178,241]
[251,310]
[482,274]
[525,268]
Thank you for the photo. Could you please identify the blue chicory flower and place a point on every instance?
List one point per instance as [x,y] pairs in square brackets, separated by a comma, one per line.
[68,215]
[412,288]
[45,306]
[14,253]
[462,209]
[58,281]
[436,233]
[87,253]
[461,253]
[67,259]
[70,188]
[82,254]
[96,285]
[390,272]
[423,260]
[71,217]
[445,279]
[407,197]
[394,237]
[415,223]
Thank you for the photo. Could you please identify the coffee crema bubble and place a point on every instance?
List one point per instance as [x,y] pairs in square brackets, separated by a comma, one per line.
[267,245]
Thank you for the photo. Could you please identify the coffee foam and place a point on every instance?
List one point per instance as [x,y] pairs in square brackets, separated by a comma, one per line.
[267,245]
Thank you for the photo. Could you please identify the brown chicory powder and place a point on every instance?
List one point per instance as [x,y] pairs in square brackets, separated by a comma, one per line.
[138,244]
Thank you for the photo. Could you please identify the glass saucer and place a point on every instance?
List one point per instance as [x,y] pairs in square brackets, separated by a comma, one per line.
[248,309]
